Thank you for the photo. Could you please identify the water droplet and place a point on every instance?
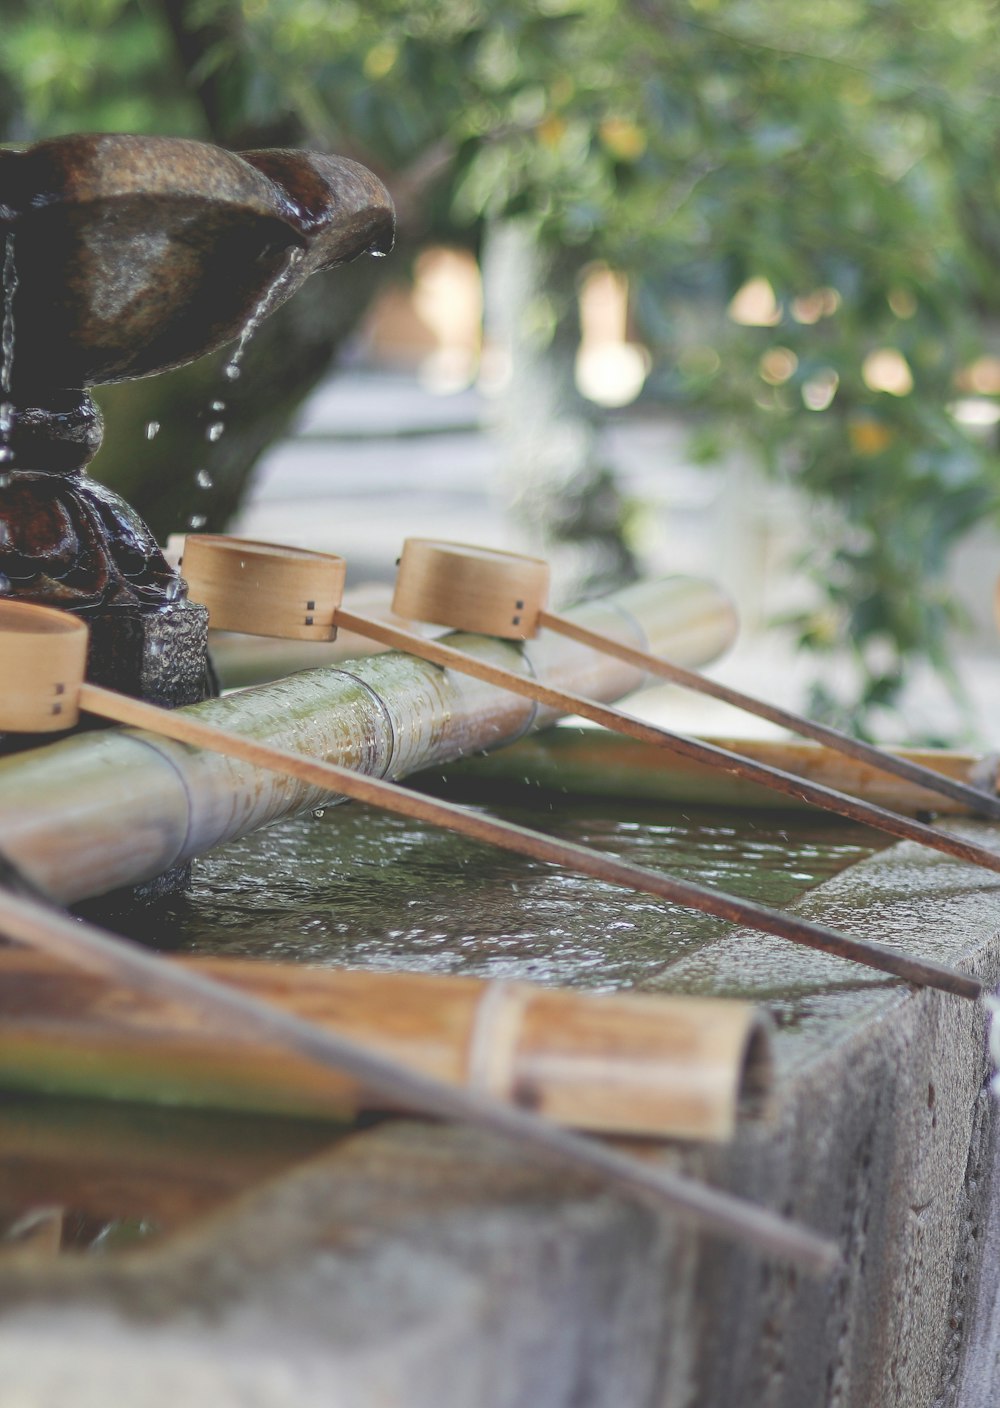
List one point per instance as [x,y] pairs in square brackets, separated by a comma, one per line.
[9,288]
[215,431]
[231,371]
[319,813]
[152,429]
[197,520]
[174,590]
[6,586]
[218,407]
[203,479]
[4,480]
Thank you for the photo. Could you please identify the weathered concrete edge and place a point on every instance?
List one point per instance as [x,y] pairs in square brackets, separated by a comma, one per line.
[883,1137]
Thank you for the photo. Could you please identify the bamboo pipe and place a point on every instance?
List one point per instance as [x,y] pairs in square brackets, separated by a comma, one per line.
[505,594]
[250,585]
[642,1065]
[247,1017]
[595,763]
[49,692]
[101,810]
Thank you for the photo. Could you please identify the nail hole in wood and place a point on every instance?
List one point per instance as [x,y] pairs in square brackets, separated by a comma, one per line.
[310,606]
[309,620]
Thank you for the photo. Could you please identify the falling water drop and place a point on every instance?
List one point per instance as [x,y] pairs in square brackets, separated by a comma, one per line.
[152,429]
[203,479]
[233,368]
[7,325]
[6,586]
[319,813]
[8,286]
[215,431]
[218,407]
[4,480]
[197,520]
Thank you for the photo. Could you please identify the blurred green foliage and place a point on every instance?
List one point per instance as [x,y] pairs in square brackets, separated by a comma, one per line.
[842,157]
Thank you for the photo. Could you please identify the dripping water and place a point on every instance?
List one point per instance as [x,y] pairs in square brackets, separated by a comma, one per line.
[234,367]
[8,282]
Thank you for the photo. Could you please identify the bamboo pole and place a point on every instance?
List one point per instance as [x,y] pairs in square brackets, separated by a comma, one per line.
[246,1017]
[102,810]
[595,763]
[656,1066]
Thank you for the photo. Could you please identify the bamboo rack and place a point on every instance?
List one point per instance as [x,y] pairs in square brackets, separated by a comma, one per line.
[641,1065]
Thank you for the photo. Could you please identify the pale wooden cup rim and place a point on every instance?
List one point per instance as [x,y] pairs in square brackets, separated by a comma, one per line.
[25,618]
[477,550]
[258,546]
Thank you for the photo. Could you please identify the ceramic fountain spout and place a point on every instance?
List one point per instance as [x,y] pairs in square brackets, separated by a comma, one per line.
[122,257]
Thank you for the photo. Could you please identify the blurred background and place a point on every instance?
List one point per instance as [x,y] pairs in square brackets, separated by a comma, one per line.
[707,286]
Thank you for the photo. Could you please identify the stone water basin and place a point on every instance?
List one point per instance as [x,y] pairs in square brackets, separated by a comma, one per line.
[419,1265]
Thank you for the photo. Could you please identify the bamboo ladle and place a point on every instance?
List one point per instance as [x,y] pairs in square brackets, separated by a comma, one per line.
[263,589]
[42,660]
[504,594]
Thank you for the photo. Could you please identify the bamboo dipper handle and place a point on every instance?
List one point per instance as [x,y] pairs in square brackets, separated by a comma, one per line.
[618,721]
[178,725]
[30,922]
[981,802]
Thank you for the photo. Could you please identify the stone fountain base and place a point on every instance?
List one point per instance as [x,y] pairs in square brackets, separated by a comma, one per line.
[160,655]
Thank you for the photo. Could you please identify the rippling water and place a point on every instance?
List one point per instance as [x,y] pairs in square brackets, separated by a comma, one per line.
[363,888]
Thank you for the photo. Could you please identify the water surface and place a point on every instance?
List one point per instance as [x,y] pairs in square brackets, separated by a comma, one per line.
[360,887]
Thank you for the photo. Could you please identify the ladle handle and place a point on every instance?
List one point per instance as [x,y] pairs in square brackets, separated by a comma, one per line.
[28,922]
[180,726]
[708,753]
[980,802]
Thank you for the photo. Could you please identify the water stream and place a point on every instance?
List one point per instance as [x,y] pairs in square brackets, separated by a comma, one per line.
[8,288]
